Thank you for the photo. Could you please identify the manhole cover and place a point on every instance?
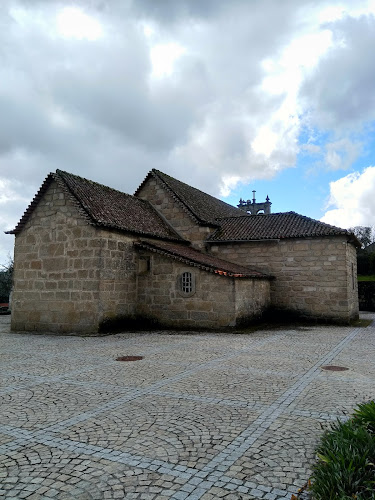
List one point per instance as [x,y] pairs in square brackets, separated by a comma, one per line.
[333,368]
[129,358]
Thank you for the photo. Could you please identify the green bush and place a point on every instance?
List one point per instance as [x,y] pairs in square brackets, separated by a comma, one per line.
[346,459]
[365,415]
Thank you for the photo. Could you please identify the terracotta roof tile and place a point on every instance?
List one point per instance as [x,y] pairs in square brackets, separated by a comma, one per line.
[273,226]
[106,207]
[204,261]
[202,206]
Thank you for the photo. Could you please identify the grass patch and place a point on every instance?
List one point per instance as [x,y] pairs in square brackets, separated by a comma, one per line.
[362,277]
[363,323]
[346,459]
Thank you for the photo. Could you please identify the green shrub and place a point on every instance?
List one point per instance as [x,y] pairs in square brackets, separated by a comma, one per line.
[346,459]
[365,415]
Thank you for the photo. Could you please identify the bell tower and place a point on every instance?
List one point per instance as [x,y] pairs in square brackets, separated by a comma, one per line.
[254,208]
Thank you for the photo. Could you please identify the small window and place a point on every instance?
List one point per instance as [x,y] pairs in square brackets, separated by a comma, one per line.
[186,284]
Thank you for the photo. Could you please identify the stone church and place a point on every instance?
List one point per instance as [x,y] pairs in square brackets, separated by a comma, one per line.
[88,257]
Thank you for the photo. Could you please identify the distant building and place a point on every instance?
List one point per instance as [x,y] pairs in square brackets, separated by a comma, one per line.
[87,256]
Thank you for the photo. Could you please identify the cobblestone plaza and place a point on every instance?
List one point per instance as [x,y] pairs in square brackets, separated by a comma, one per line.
[201,416]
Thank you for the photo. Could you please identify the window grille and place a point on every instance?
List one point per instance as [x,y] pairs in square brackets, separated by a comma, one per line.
[187,282]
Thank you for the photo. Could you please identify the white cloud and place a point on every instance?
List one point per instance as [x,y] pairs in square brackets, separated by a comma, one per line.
[72,22]
[353,201]
[341,154]
[208,91]
[163,58]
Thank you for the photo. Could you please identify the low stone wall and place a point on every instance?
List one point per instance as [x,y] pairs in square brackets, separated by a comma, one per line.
[315,277]
[366,295]
[217,301]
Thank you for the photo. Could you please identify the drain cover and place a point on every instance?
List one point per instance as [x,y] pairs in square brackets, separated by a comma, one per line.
[333,368]
[129,358]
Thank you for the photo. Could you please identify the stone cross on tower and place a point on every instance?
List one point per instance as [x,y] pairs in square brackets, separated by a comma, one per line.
[254,208]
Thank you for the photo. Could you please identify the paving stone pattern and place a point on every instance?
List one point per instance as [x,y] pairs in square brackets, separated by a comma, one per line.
[202,416]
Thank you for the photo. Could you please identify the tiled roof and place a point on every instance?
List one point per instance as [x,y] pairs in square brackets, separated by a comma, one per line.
[202,206]
[105,207]
[193,257]
[274,226]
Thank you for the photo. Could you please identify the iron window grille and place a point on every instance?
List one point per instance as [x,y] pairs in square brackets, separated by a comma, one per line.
[187,282]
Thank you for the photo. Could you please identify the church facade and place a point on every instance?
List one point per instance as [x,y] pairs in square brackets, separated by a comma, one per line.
[88,257]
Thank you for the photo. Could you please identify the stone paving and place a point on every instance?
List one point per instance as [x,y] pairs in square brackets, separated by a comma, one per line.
[202,416]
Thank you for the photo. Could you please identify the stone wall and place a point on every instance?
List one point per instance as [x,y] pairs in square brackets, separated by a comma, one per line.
[118,276]
[68,275]
[314,277]
[218,301]
[253,299]
[352,282]
[180,219]
[56,271]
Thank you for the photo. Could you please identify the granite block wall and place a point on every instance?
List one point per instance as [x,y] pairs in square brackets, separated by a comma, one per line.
[315,278]
[180,219]
[218,301]
[68,274]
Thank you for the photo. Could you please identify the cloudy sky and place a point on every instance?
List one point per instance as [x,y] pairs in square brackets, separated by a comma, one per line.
[229,96]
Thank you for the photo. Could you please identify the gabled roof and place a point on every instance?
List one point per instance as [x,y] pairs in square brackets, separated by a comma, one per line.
[274,226]
[193,257]
[105,207]
[204,208]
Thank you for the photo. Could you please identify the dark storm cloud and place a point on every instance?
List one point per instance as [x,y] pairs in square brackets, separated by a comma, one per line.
[102,87]
[92,106]
[341,89]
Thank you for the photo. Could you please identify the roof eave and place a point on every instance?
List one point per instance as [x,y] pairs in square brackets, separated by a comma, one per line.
[103,225]
[206,267]
[354,240]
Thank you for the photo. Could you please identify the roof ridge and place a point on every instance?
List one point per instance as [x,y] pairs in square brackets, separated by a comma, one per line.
[65,186]
[196,189]
[246,215]
[199,205]
[94,183]
[156,173]
[58,171]
[291,212]
[275,226]
[106,207]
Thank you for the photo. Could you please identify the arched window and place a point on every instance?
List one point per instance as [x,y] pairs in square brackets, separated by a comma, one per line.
[186,284]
